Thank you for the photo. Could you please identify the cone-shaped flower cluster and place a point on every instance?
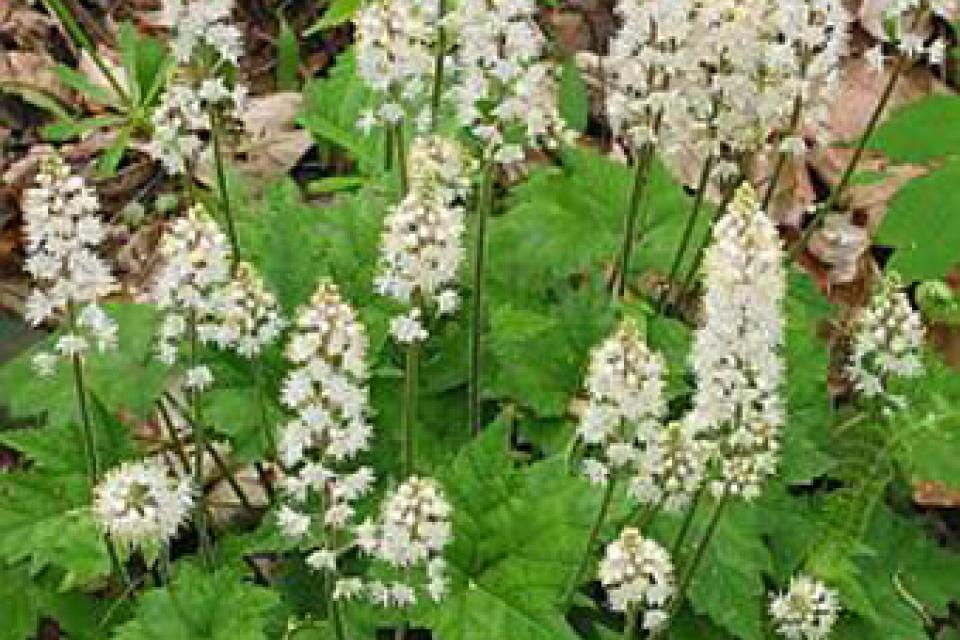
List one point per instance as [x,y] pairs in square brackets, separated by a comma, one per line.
[422,251]
[717,78]
[672,467]
[396,51]
[887,342]
[327,390]
[247,317]
[737,352]
[411,534]
[63,231]
[637,575]
[140,505]
[204,40]
[626,403]
[503,81]
[807,611]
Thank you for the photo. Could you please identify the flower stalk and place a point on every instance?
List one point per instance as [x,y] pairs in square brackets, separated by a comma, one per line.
[216,133]
[484,208]
[591,542]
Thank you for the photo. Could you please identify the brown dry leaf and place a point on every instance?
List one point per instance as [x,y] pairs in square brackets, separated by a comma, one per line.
[27,28]
[273,142]
[794,193]
[934,494]
[33,70]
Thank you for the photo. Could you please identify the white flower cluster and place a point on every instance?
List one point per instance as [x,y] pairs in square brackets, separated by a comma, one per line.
[396,53]
[327,390]
[717,78]
[503,81]
[247,317]
[737,352]
[887,342]
[199,24]
[904,17]
[421,251]
[413,530]
[181,122]
[196,265]
[671,468]
[140,505]
[63,231]
[637,574]
[807,611]
[626,403]
[204,40]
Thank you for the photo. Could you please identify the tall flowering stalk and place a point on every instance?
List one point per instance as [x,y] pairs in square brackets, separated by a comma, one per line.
[421,256]
[201,101]
[625,407]
[505,95]
[63,234]
[196,267]
[738,362]
[637,575]
[318,448]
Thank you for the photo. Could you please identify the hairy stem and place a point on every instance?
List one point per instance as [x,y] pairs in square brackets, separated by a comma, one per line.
[688,230]
[484,207]
[705,241]
[591,542]
[630,623]
[687,521]
[199,445]
[438,68]
[409,416]
[216,133]
[618,279]
[782,155]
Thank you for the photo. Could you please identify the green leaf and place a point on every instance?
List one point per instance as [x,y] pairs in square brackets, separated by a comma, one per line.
[574,97]
[518,536]
[332,108]
[921,131]
[198,604]
[25,599]
[922,226]
[40,98]
[339,12]
[69,129]
[288,58]
[80,82]
[128,379]
[569,220]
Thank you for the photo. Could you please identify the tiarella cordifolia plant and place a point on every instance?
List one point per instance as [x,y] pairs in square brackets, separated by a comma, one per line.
[904,19]
[327,390]
[808,610]
[246,316]
[141,506]
[63,234]
[397,46]
[503,79]
[626,403]
[671,467]
[421,251]
[409,538]
[887,342]
[637,575]
[737,354]
[188,288]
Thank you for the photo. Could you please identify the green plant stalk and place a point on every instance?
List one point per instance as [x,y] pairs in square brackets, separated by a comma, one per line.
[259,382]
[687,521]
[401,160]
[591,542]
[89,438]
[618,279]
[199,445]
[215,134]
[332,606]
[688,230]
[690,570]
[484,207]
[630,623]
[409,410]
[705,241]
[782,155]
[438,68]
[837,192]
[83,40]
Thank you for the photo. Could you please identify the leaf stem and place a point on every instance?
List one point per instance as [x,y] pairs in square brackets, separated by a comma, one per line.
[484,207]
[688,230]
[215,134]
[591,541]
[83,40]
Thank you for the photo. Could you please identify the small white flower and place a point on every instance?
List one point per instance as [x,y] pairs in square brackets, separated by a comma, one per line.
[347,589]
[637,575]
[408,328]
[293,524]
[139,504]
[807,611]
[323,560]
